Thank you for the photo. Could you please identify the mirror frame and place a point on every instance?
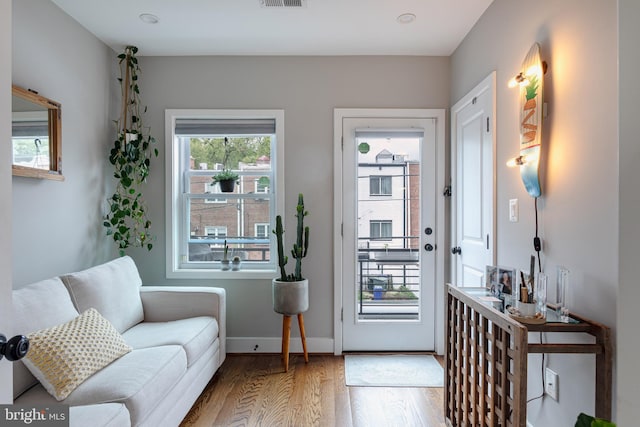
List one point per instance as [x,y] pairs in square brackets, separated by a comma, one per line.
[55,137]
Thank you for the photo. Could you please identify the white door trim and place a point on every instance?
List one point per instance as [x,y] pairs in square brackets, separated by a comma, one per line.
[339,114]
[486,85]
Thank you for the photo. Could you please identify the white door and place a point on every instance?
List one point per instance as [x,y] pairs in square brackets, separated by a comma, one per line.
[474,183]
[389,239]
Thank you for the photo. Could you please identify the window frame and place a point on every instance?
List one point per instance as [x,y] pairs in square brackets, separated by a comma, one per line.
[175,206]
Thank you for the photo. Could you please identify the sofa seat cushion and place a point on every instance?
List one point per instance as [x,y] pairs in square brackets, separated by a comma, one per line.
[112,288]
[194,334]
[102,415]
[38,306]
[139,379]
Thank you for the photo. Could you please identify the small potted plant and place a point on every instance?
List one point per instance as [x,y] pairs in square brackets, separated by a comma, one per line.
[291,291]
[224,262]
[227,178]
[235,263]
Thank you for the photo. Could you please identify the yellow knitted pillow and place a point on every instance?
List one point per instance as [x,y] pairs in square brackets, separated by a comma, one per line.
[64,356]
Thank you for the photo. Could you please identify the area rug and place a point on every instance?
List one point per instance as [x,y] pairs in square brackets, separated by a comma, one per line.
[393,371]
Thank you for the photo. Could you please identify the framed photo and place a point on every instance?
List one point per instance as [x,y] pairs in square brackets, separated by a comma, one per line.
[506,279]
[491,280]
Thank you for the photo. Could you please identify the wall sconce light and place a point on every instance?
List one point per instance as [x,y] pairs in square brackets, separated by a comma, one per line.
[530,81]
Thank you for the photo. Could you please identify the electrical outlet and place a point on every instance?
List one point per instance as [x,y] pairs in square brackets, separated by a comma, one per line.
[551,384]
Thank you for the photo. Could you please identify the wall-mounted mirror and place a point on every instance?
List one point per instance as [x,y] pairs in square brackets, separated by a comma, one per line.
[36,136]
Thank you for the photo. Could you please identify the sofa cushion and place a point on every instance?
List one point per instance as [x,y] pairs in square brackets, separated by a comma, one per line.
[102,415]
[38,306]
[195,335]
[64,356]
[112,288]
[139,379]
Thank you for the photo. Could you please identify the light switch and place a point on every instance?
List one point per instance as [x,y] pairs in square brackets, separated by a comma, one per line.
[513,210]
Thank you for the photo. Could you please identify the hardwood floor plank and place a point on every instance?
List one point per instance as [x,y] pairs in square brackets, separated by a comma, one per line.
[253,390]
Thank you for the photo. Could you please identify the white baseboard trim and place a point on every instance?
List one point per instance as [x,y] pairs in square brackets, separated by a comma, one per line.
[274,345]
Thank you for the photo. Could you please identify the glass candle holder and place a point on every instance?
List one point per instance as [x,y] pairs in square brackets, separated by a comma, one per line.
[540,294]
[562,291]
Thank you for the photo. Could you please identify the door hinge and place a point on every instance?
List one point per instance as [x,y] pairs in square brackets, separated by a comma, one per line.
[487,124]
[342,314]
[342,143]
[487,242]
[447,191]
[342,229]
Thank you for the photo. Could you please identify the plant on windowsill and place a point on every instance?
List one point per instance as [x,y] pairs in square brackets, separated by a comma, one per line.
[224,262]
[227,178]
[290,292]
[127,221]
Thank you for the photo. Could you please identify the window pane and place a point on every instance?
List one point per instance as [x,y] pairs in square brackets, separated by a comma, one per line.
[374,185]
[245,153]
[235,221]
[385,185]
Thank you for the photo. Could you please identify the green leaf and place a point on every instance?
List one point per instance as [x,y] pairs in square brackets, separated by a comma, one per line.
[132,191]
[122,56]
[149,246]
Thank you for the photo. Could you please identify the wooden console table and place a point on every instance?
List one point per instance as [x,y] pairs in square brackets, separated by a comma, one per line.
[486,360]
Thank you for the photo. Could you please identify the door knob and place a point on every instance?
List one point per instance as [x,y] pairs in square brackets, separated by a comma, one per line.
[456,250]
[15,348]
[428,247]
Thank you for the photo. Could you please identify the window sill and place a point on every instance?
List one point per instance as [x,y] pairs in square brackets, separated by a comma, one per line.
[194,273]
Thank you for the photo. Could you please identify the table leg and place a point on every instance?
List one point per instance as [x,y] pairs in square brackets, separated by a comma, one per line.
[303,337]
[603,375]
[286,332]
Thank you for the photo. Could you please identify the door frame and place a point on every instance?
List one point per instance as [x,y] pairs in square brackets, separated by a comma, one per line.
[488,84]
[339,114]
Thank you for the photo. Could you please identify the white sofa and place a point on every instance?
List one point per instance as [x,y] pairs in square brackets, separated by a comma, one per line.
[177,335]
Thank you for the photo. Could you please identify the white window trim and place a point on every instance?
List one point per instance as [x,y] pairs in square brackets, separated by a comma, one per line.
[174,194]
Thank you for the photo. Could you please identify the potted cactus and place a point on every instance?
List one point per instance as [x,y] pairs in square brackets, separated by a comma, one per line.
[291,291]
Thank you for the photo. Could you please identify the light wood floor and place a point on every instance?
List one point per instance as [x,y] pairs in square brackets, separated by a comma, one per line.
[254,390]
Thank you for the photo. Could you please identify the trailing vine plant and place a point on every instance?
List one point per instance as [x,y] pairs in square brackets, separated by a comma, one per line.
[127,221]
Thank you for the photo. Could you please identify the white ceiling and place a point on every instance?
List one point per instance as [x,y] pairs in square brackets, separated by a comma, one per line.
[243,27]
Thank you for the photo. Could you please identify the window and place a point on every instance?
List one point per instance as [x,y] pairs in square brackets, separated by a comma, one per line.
[201,217]
[216,231]
[380,229]
[262,230]
[380,185]
[262,184]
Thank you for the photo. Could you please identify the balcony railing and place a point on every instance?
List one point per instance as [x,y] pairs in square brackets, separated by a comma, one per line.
[388,283]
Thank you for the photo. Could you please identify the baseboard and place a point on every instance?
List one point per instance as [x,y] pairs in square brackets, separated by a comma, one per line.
[274,345]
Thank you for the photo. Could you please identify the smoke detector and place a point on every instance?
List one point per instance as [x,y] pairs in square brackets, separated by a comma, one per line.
[283,3]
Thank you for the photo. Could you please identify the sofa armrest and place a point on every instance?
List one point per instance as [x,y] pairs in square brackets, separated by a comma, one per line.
[166,303]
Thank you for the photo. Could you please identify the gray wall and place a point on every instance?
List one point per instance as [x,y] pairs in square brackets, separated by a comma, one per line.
[308,89]
[6,373]
[629,291]
[57,225]
[579,205]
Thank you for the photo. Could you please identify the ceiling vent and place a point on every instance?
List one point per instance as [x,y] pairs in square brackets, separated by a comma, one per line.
[283,3]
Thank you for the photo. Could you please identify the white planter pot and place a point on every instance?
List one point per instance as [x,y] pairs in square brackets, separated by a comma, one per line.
[290,297]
